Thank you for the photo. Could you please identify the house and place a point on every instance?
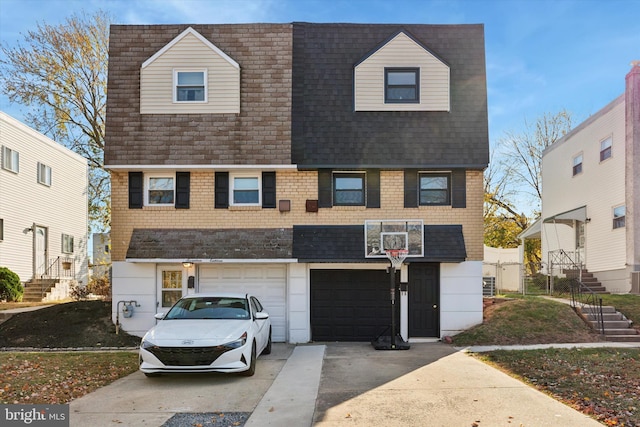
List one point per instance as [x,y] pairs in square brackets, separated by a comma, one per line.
[284,159]
[43,211]
[591,196]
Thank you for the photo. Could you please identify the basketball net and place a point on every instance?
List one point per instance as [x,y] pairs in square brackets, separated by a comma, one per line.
[396,256]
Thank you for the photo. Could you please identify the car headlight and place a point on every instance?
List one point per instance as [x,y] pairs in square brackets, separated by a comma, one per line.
[238,343]
[147,345]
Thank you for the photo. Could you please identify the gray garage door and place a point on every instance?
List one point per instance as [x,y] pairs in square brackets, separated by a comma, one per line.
[349,305]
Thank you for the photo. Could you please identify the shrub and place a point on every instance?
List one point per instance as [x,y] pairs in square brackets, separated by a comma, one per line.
[100,285]
[79,292]
[10,287]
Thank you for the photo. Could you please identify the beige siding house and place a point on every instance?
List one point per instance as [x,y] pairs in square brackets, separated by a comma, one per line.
[590,193]
[43,208]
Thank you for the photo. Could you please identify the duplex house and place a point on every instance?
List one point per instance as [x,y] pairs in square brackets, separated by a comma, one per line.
[591,195]
[43,211]
[284,159]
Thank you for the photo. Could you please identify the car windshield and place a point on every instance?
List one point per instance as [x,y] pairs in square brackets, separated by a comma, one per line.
[210,308]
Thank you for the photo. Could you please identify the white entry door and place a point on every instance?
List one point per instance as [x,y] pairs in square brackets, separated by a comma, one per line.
[39,251]
[171,285]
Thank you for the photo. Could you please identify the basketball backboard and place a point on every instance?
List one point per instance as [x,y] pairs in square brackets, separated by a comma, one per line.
[380,235]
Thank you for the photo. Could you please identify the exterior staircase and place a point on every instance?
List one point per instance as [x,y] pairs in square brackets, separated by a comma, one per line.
[616,326]
[588,279]
[38,290]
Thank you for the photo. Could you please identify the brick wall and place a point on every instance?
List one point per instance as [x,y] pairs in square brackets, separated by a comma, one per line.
[296,186]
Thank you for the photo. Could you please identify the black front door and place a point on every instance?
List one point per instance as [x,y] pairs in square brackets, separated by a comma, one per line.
[424,300]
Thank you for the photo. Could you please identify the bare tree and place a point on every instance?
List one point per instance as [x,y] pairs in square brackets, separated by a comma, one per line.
[60,72]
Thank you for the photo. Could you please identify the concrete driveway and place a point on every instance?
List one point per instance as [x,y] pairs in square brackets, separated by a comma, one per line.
[334,385]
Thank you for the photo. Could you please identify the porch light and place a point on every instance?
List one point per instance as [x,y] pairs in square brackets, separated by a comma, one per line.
[187,264]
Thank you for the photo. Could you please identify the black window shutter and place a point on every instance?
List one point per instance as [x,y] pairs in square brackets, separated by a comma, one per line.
[459,188]
[411,188]
[324,188]
[221,190]
[183,180]
[268,189]
[135,190]
[373,188]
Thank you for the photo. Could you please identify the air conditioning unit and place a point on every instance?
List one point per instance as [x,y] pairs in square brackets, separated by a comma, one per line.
[635,282]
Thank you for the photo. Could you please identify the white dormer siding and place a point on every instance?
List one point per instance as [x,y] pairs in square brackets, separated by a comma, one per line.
[190,52]
[402,51]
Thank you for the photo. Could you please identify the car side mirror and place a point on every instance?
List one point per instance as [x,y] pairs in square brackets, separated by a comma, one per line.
[159,316]
[262,315]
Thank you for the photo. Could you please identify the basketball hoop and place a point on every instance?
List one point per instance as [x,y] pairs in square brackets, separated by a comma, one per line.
[396,256]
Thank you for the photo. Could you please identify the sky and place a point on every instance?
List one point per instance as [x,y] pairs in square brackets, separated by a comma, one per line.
[542,56]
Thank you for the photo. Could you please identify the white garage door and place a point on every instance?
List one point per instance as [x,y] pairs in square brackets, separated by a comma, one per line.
[265,281]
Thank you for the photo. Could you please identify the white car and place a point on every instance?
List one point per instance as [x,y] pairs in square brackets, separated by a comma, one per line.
[207,333]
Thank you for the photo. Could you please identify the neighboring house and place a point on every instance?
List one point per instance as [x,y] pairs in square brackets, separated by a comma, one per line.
[101,255]
[43,211]
[591,195]
[282,159]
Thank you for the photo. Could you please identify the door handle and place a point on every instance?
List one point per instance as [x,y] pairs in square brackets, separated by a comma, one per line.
[435,305]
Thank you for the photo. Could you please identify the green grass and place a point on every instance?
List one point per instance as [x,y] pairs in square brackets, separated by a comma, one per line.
[528,320]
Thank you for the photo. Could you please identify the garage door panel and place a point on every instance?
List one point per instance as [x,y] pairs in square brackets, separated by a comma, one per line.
[267,283]
[349,305]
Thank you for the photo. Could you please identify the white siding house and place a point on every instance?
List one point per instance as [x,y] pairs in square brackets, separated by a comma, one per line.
[43,207]
[590,193]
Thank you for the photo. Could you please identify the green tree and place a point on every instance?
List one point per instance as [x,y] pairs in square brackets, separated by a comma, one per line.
[60,73]
[10,286]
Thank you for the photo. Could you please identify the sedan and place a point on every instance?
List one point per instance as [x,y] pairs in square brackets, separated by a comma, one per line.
[207,333]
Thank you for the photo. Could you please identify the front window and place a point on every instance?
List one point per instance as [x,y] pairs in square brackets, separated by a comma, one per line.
[577,164]
[171,287]
[245,190]
[160,190]
[435,189]
[402,85]
[67,244]
[44,174]
[10,159]
[190,86]
[348,189]
[619,214]
[605,149]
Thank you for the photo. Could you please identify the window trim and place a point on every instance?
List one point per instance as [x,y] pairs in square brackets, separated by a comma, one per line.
[619,221]
[177,71]
[232,180]
[67,244]
[446,175]
[344,174]
[576,168]
[9,157]
[606,151]
[147,179]
[46,171]
[387,99]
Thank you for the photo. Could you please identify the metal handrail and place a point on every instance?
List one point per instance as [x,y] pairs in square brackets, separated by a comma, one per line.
[588,301]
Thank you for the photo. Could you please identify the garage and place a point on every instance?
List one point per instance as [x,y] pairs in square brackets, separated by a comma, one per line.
[349,305]
[265,281]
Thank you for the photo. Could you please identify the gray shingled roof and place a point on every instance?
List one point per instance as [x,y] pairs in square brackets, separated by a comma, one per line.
[255,243]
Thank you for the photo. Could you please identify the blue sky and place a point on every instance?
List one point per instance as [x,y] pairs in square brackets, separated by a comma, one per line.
[542,55]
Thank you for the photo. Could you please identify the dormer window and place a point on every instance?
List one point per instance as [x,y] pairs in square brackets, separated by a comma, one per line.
[190,86]
[402,85]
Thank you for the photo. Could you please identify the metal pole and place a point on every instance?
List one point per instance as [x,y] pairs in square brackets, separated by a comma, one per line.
[392,283]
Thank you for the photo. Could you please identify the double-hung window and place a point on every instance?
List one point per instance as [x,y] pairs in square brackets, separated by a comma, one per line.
[44,174]
[160,190]
[190,86]
[577,164]
[605,149]
[619,214]
[435,189]
[10,160]
[67,244]
[245,190]
[401,85]
[349,189]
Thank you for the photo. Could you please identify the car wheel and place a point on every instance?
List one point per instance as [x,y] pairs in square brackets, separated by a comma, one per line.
[252,365]
[267,349]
